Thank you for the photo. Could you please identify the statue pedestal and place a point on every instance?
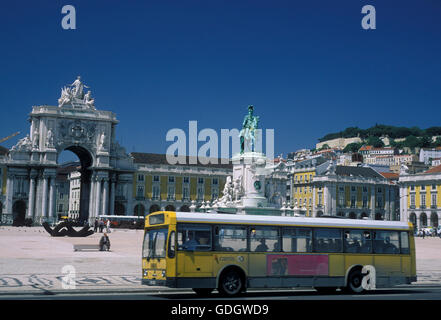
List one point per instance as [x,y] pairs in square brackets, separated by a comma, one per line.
[249,169]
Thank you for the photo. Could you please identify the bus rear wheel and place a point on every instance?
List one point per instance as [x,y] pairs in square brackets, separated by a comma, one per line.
[230,283]
[355,280]
[203,291]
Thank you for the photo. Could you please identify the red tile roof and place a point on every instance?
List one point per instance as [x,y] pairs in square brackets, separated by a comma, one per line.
[390,175]
[436,169]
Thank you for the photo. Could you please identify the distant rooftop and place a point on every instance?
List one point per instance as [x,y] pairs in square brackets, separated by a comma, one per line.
[161,159]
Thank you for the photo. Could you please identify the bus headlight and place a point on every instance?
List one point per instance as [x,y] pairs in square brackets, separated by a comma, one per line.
[163,273]
[144,272]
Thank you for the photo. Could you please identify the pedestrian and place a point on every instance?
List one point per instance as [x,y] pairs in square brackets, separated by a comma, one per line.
[108,226]
[424,233]
[101,225]
[95,226]
[104,243]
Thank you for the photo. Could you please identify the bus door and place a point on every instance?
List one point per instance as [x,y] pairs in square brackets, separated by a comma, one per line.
[387,259]
[264,241]
[194,250]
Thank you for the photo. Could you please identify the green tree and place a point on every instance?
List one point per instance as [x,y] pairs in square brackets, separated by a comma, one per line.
[353,147]
[375,142]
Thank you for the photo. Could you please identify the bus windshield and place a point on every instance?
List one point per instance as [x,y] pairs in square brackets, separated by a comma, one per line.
[154,245]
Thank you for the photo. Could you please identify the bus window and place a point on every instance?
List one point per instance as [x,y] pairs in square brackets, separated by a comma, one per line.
[357,241]
[264,239]
[154,243]
[297,240]
[230,238]
[194,238]
[386,242]
[327,240]
[404,242]
[171,245]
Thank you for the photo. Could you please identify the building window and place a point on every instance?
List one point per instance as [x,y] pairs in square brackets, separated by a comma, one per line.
[341,189]
[201,180]
[171,193]
[155,178]
[353,202]
[423,199]
[214,194]
[434,199]
[423,187]
[320,199]
[186,180]
[412,187]
[156,193]
[140,177]
[365,201]
[171,179]
[215,181]
[379,202]
[200,194]
[341,199]
[412,200]
[352,188]
[365,189]
[140,191]
[185,194]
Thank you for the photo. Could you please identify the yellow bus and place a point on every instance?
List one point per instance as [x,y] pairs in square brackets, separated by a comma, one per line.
[230,253]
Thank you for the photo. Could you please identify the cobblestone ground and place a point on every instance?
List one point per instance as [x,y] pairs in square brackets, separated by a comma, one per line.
[32,260]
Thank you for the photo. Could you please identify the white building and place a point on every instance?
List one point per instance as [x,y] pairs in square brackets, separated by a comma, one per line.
[74,194]
[427,154]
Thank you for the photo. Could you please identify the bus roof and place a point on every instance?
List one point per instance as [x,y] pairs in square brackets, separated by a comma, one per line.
[197,217]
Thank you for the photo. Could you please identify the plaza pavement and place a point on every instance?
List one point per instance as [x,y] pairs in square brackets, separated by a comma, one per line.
[31,261]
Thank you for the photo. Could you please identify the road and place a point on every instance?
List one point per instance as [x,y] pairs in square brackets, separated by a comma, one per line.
[413,292]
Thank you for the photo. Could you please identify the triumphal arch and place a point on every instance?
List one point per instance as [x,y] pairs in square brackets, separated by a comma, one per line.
[75,125]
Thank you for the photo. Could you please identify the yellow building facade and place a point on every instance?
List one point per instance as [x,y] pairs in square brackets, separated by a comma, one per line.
[160,186]
[420,196]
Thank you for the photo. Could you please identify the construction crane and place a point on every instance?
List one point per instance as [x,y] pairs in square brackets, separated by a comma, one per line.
[9,137]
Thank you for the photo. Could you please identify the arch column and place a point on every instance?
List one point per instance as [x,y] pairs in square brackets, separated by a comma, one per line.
[97,196]
[31,202]
[44,213]
[9,192]
[112,195]
[105,194]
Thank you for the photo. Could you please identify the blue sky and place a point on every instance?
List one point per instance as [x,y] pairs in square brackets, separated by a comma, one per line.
[307,66]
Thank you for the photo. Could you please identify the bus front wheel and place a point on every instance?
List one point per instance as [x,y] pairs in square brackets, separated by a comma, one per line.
[230,283]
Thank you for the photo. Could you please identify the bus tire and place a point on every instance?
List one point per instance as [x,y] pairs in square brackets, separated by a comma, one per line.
[231,283]
[354,283]
[203,291]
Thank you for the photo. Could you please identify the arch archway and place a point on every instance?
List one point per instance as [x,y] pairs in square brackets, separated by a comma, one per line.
[352,215]
[170,208]
[19,211]
[340,214]
[423,220]
[185,208]
[378,216]
[139,210]
[434,219]
[319,213]
[363,215]
[154,208]
[79,180]
[120,209]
